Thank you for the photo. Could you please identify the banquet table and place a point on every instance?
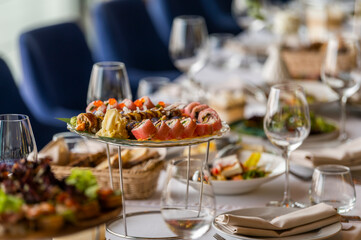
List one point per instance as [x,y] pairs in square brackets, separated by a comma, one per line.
[152,225]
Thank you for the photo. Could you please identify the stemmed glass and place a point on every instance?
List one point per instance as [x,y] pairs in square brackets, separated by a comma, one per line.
[108,80]
[187,203]
[188,49]
[16,139]
[287,124]
[341,72]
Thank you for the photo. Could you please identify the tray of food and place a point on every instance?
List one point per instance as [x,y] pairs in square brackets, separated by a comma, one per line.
[142,123]
[245,171]
[34,204]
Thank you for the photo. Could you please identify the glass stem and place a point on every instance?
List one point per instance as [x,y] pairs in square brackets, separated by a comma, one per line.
[343,117]
[287,193]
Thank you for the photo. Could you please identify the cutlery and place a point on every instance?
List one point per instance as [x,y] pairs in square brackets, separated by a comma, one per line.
[218,237]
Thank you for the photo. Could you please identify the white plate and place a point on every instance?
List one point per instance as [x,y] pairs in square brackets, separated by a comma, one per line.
[271,212]
[273,163]
[316,138]
[322,93]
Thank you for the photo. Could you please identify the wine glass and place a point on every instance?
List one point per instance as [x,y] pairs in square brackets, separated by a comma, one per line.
[287,124]
[152,87]
[109,80]
[341,71]
[16,139]
[187,203]
[188,48]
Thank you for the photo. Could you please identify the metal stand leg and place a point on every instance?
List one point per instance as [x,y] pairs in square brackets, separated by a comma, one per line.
[122,188]
[188,169]
[110,168]
[201,191]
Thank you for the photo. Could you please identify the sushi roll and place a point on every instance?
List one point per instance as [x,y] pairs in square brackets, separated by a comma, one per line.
[128,104]
[144,130]
[188,109]
[197,109]
[176,129]
[211,117]
[162,130]
[190,126]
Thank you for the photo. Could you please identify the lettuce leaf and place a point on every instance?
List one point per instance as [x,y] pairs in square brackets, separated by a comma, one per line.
[84,181]
[9,203]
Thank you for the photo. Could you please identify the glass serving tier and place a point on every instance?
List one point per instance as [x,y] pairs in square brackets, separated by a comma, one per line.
[153,143]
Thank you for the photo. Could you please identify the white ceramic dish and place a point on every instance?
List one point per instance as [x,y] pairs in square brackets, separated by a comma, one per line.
[271,212]
[273,163]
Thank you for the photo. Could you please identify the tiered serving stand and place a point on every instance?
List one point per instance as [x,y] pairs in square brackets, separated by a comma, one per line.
[150,144]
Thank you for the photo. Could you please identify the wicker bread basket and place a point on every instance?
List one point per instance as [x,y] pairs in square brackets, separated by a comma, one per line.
[139,182]
[303,63]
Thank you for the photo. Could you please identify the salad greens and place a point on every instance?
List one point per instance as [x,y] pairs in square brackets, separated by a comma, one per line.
[84,181]
[9,203]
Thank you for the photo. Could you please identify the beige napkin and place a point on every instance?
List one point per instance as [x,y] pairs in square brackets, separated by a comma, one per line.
[348,154]
[57,150]
[300,221]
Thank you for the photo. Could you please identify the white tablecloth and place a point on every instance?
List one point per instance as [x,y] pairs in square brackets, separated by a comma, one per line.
[258,198]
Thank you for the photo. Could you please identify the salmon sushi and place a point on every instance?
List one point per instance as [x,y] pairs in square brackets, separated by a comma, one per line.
[188,109]
[128,104]
[190,126]
[210,116]
[203,129]
[197,109]
[176,129]
[162,130]
[145,130]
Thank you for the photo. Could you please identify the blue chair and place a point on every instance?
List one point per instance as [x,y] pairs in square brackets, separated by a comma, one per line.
[217,14]
[125,33]
[56,65]
[13,103]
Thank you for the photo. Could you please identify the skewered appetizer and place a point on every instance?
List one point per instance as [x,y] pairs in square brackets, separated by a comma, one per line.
[142,120]
[32,199]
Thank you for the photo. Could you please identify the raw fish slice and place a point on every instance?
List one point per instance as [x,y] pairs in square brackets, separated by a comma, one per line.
[129,104]
[190,126]
[95,106]
[148,103]
[162,131]
[210,116]
[203,129]
[197,109]
[111,103]
[176,129]
[188,109]
[145,130]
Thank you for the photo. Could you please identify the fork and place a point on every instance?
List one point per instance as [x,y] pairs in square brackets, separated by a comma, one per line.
[218,237]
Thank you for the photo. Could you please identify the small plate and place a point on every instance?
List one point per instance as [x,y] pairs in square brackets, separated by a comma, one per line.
[271,212]
[273,163]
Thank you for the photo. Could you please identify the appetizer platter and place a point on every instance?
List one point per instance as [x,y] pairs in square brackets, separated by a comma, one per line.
[142,123]
[35,204]
[245,171]
[321,128]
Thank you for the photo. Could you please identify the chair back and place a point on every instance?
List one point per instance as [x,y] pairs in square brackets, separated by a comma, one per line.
[125,33]
[56,65]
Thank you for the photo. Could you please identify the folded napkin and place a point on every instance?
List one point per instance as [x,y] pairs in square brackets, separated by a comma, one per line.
[348,154]
[57,150]
[297,222]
